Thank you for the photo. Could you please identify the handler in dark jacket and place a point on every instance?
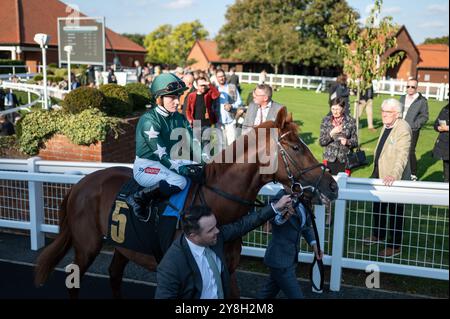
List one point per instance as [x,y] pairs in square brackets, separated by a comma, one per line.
[194,266]
[282,252]
[415,113]
[440,150]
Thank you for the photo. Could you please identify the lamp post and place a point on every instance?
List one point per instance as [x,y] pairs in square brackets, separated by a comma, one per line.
[43,39]
[68,49]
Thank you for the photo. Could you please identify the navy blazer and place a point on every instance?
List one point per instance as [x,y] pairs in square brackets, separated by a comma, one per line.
[178,275]
[283,248]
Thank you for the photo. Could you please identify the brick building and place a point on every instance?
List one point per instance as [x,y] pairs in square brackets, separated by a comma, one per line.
[427,62]
[20,20]
[205,52]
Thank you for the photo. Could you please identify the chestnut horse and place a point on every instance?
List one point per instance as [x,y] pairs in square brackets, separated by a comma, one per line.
[86,208]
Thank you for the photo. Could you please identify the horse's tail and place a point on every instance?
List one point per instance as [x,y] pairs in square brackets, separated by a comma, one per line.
[53,253]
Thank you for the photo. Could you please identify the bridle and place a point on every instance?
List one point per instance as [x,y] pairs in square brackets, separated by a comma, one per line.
[298,190]
[296,187]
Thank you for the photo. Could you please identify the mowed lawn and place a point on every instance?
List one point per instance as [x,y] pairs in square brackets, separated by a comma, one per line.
[309,108]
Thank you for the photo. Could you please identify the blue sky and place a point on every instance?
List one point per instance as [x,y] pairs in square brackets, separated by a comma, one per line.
[423,18]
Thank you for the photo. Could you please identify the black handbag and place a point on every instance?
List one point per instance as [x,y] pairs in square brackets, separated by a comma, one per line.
[356,159]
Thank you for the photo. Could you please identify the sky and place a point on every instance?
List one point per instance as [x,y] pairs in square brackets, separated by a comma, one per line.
[422,18]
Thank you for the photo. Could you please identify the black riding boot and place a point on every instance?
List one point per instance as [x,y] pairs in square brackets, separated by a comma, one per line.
[139,201]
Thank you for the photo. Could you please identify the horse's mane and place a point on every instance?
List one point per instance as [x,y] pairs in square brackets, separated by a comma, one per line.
[289,127]
[214,167]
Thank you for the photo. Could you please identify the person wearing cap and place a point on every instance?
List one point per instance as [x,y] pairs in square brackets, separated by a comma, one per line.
[154,168]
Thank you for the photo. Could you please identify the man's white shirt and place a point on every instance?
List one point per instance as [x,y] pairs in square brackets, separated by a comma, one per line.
[209,289]
[264,112]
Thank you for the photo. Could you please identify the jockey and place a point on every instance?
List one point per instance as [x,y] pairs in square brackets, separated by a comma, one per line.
[153,167]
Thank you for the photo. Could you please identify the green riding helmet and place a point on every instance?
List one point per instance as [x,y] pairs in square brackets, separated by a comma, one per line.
[167,84]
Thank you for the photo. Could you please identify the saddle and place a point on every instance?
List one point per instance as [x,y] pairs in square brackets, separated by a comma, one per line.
[152,236]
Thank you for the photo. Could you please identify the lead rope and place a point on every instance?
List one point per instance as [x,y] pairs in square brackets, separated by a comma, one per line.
[319,262]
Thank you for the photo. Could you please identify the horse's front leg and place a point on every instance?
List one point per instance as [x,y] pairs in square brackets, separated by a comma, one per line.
[233,255]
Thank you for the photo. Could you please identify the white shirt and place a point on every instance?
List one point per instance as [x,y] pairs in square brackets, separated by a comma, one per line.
[408,102]
[209,286]
[264,112]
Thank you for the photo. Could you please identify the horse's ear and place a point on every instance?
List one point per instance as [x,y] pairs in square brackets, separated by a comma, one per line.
[281,118]
[289,118]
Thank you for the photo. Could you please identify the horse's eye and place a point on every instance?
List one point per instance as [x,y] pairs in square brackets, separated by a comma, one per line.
[296,148]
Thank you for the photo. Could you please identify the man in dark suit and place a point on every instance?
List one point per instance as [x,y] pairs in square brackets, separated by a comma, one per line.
[282,252]
[415,113]
[262,108]
[194,266]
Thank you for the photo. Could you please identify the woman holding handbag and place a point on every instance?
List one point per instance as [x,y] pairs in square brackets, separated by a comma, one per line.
[337,136]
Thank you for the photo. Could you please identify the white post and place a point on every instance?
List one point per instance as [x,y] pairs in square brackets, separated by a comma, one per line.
[36,201]
[427,90]
[69,74]
[319,212]
[44,62]
[392,87]
[441,90]
[68,49]
[338,237]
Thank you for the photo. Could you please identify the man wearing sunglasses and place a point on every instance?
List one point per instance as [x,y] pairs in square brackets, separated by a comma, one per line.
[415,113]
[154,168]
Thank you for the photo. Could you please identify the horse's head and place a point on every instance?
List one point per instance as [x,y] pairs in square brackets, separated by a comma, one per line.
[297,168]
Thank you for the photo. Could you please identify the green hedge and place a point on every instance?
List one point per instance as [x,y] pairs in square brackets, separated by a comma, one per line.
[84,128]
[61,72]
[118,101]
[83,98]
[10,70]
[140,95]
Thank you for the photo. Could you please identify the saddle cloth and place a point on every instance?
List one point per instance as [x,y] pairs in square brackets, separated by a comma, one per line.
[127,231]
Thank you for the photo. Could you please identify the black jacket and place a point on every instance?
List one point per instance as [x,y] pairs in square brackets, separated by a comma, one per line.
[417,114]
[283,248]
[440,150]
[178,275]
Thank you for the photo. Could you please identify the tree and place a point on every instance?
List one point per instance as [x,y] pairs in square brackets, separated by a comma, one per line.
[183,38]
[158,45]
[362,62]
[315,47]
[440,40]
[282,31]
[135,37]
[171,45]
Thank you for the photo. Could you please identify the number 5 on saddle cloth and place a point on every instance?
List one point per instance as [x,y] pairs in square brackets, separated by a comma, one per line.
[152,236]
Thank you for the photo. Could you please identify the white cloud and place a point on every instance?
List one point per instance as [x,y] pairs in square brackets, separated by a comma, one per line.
[179,4]
[437,8]
[433,24]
